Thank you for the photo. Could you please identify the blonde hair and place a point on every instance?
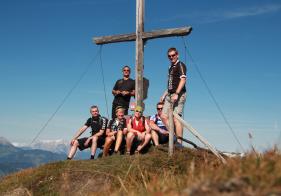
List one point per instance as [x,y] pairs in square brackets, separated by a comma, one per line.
[119,109]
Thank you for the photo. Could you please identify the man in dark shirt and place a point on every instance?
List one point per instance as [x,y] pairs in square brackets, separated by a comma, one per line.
[98,126]
[123,90]
[176,92]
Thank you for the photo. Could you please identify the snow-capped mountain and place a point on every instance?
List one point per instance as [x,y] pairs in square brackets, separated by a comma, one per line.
[5,142]
[57,146]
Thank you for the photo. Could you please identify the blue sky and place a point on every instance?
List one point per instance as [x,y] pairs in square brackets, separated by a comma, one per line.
[46,45]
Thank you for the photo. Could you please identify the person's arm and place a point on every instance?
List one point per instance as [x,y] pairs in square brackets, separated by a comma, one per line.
[154,126]
[78,133]
[162,98]
[115,90]
[129,127]
[180,86]
[147,128]
[100,133]
[132,93]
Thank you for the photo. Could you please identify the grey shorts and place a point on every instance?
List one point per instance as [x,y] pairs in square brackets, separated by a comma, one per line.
[178,105]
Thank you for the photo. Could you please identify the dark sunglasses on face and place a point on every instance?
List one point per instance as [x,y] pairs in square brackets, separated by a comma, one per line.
[172,55]
[126,70]
[138,111]
[159,108]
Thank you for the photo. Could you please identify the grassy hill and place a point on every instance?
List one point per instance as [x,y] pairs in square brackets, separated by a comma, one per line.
[188,172]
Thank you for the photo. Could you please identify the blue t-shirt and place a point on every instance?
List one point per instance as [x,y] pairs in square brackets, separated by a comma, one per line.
[157,120]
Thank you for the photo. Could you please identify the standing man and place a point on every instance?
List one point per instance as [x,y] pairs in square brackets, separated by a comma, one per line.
[123,90]
[98,125]
[176,92]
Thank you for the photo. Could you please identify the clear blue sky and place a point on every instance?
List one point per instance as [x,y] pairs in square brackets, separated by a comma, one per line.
[46,45]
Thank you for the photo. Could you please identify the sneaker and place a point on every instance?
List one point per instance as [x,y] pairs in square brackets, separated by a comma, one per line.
[179,145]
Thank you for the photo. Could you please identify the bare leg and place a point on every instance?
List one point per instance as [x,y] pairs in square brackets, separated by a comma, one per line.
[73,149]
[165,120]
[147,138]
[129,140]
[119,137]
[155,137]
[179,129]
[107,144]
[94,146]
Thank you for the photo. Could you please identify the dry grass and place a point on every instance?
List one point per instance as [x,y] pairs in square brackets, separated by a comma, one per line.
[188,172]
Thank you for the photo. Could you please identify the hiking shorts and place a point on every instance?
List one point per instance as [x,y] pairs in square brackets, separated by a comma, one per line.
[81,142]
[178,106]
[162,138]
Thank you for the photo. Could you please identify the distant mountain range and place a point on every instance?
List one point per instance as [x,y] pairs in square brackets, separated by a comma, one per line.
[14,158]
[17,156]
[56,146]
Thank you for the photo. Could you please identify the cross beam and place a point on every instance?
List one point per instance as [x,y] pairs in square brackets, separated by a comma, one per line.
[140,37]
[145,36]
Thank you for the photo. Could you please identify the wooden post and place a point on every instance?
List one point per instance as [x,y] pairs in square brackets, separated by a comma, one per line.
[171,130]
[202,139]
[139,52]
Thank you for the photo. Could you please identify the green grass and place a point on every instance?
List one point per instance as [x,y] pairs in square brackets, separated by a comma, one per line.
[188,172]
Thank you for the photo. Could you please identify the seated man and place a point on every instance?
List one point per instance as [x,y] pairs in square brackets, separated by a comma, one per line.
[137,129]
[159,133]
[116,131]
[98,125]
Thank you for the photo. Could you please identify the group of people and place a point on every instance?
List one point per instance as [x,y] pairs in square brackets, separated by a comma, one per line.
[132,134]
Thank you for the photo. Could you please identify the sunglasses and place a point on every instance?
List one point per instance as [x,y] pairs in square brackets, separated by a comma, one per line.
[172,55]
[159,108]
[138,111]
[126,70]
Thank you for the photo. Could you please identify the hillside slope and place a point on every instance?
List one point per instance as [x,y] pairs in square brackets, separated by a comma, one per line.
[188,172]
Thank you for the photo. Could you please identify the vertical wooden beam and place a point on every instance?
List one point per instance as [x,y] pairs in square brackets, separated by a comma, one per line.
[139,51]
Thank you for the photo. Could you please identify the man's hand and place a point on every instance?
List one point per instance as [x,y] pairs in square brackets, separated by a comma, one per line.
[125,131]
[117,92]
[174,98]
[164,132]
[72,142]
[125,93]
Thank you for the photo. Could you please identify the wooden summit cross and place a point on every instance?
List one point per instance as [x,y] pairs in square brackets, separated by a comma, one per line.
[140,37]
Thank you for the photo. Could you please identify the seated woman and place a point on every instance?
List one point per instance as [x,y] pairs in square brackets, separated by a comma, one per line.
[137,129]
[116,131]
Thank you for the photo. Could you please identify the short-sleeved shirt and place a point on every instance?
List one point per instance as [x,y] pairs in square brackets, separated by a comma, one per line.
[157,120]
[123,85]
[116,124]
[176,72]
[97,123]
